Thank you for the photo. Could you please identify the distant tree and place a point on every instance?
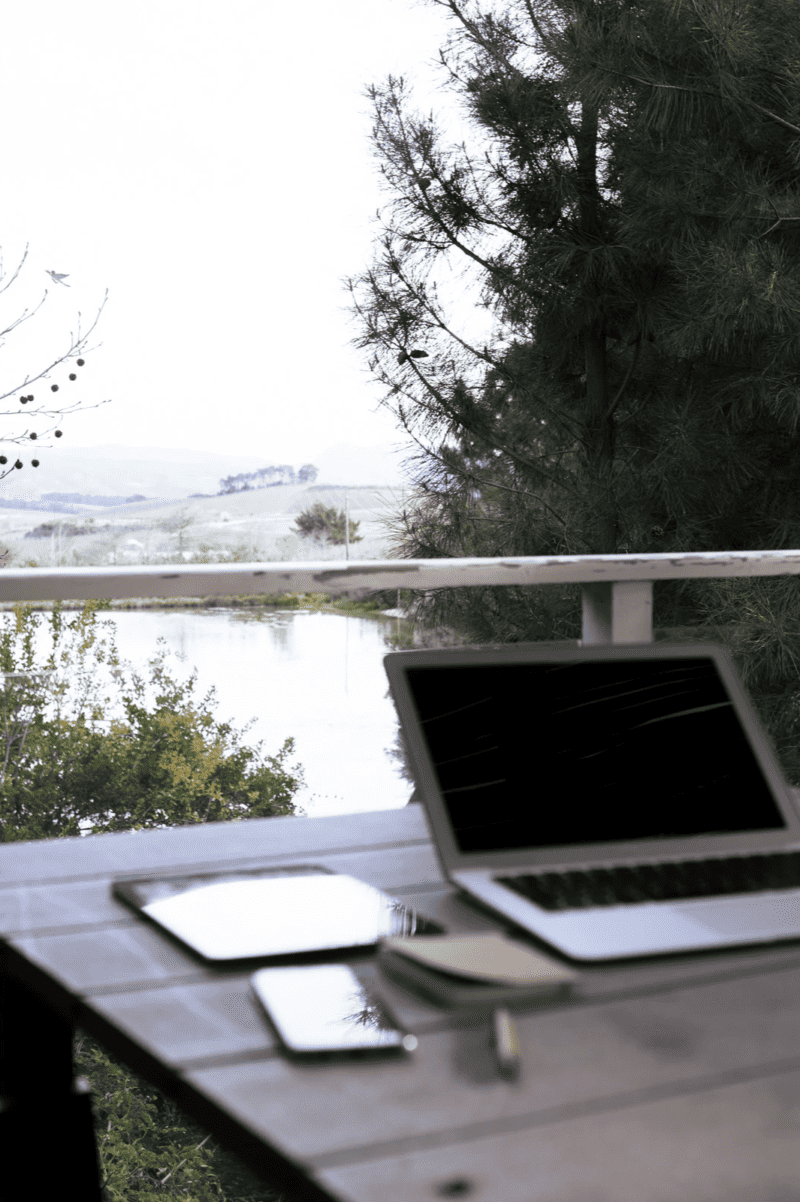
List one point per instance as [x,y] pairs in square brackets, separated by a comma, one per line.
[263,478]
[307,474]
[41,421]
[227,485]
[231,484]
[328,524]
[68,529]
[267,476]
[78,498]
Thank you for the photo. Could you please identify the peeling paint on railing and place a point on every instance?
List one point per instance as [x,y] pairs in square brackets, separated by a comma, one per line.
[204,580]
[617,589]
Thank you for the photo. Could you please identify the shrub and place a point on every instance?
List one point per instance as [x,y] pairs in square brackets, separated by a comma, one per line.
[89,744]
[320,523]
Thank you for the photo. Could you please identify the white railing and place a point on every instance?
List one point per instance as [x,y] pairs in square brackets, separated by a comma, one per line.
[617,589]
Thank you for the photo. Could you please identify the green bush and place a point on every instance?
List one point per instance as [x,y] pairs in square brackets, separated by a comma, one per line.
[128,752]
[320,523]
[148,1150]
[88,744]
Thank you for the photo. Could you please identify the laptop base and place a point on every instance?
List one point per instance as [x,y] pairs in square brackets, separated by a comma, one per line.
[645,929]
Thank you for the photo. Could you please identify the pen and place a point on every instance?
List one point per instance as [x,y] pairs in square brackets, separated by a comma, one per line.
[506,1043]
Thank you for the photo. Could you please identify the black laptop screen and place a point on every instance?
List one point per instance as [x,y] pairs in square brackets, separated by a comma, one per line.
[541,755]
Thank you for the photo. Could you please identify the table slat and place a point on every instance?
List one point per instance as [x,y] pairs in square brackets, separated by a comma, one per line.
[674,1051]
[211,844]
[738,1141]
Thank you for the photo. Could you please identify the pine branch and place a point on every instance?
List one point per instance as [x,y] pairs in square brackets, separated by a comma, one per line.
[470,476]
[501,368]
[674,87]
[625,382]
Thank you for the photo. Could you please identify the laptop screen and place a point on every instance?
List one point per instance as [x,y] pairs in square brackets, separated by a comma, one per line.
[593,751]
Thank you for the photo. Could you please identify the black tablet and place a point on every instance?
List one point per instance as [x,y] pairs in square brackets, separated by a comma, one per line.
[270,912]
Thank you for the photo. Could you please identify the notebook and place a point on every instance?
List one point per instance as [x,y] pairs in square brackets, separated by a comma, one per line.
[473,970]
[613,800]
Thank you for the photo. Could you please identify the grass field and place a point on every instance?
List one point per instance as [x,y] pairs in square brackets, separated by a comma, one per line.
[255,526]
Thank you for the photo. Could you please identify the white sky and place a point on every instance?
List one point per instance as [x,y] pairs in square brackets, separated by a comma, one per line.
[210,165]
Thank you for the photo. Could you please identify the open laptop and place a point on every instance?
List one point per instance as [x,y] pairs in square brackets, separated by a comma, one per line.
[615,801]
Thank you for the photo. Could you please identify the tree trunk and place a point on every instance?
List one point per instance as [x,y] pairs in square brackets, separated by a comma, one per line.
[598,424]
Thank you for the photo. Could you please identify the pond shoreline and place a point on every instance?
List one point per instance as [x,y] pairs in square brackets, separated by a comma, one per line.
[317,602]
[275,673]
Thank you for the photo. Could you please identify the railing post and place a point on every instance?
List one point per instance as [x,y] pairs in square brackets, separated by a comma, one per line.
[618,612]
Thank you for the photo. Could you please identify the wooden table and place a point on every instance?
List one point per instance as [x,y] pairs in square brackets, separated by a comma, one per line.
[664,1081]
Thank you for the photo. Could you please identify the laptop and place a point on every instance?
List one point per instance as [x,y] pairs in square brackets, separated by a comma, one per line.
[613,800]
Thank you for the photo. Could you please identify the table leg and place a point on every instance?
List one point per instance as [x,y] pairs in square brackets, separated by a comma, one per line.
[46,1129]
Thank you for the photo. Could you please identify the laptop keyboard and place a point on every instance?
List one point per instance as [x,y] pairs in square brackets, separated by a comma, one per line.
[658,882]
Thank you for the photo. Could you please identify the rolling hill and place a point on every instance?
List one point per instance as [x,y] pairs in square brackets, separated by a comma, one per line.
[162,472]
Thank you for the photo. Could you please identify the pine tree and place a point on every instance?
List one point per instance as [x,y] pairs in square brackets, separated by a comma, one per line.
[630,210]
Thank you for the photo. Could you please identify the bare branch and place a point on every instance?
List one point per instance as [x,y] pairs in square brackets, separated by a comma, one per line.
[76,347]
[16,273]
[23,317]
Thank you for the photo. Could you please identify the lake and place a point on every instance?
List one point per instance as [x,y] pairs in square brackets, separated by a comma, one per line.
[317,677]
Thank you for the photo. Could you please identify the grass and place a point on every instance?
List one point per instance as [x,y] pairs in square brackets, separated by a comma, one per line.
[186,542]
[315,602]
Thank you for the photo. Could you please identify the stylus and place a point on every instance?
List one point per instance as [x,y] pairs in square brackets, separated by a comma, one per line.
[506,1043]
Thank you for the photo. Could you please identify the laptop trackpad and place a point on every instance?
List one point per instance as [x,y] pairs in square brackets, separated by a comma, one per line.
[760,917]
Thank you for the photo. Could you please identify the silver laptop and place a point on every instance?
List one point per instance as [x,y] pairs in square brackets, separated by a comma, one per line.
[615,801]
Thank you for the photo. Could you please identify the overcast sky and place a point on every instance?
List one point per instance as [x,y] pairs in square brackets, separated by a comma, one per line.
[209,164]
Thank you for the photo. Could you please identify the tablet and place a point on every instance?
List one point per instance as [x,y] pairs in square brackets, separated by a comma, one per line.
[271,912]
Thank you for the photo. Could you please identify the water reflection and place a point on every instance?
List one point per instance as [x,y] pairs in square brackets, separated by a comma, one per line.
[317,677]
